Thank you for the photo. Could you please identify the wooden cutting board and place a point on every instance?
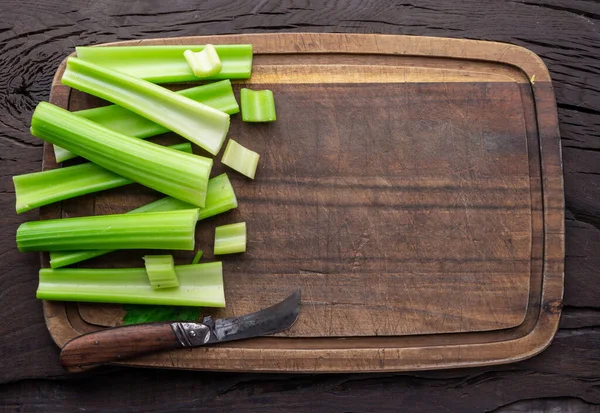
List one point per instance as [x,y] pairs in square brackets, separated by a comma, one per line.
[411,186]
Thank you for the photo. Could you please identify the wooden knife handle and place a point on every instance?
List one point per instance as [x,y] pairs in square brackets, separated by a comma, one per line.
[113,344]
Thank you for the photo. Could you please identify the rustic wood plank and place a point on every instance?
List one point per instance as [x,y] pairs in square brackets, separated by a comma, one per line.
[562,32]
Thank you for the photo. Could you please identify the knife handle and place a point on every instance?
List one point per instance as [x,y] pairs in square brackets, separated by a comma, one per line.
[113,344]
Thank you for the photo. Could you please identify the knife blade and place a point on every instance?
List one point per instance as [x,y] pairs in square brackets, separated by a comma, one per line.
[119,343]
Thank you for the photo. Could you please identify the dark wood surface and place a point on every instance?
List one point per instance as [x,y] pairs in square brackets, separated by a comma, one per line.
[35,37]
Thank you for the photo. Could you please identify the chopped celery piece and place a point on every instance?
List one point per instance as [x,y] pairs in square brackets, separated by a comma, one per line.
[230,239]
[257,105]
[181,175]
[199,285]
[219,198]
[156,230]
[240,159]
[197,257]
[218,95]
[161,271]
[165,64]
[42,188]
[199,123]
[205,63]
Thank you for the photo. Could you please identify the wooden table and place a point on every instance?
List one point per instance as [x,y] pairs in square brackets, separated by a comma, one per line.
[36,36]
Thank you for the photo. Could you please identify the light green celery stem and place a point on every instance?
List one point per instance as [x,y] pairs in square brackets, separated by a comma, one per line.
[197,257]
[181,175]
[172,230]
[198,123]
[257,105]
[230,239]
[161,271]
[240,159]
[42,188]
[205,63]
[199,285]
[166,64]
[220,198]
[218,95]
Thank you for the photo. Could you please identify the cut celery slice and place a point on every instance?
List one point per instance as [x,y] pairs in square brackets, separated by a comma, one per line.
[158,230]
[42,188]
[181,175]
[230,239]
[197,257]
[165,64]
[240,159]
[199,123]
[218,95]
[257,105]
[205,63]
[161,271]
[199,285]
[220,198]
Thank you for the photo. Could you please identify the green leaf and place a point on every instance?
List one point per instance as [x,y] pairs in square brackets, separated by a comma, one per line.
[137,314]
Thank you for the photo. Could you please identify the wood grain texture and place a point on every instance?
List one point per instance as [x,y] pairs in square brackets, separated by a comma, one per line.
[35,37]
[426,214]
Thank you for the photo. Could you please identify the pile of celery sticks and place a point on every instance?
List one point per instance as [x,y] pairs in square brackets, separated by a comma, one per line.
[112,139]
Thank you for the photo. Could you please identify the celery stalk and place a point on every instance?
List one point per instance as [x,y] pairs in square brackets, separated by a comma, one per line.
[205,63]
[165,64]
[218,95]
[181,175]
[219,198]
[197,257]
[42,188]
[199,123]
[240,159]
[257,105]
[161,271]
[156,230]
[230,239]
[199,285]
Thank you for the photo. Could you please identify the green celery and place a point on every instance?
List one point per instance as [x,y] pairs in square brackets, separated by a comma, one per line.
[199,123]
[219,198]
[181,175]
[218,95]
[230,239]
[197,257]
[166,64]
[205,63]
[200,285]
[161,271]
[257,105]
[240,159]
[156,230]
[42,188]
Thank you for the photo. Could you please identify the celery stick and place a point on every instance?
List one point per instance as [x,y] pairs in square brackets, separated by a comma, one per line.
[218,95]
[199,123]
[219,198]
[240,159]
[165,64]
[205,63]
[181,175]
[156,230]
[230,239]
[161,271]
[199,285]
[42,188]
[257,105]
[197,257]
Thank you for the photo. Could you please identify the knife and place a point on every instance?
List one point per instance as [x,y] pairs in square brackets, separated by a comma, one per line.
[114,344]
